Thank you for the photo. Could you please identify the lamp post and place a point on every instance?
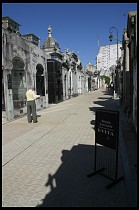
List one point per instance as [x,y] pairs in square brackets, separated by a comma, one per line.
[111,38]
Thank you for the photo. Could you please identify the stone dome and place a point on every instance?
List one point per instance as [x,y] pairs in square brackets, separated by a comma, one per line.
[50,42]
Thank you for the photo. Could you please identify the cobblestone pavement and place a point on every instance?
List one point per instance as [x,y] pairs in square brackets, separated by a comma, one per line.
[46,164]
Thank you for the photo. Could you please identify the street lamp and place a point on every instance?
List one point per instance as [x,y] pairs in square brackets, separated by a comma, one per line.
[111,38]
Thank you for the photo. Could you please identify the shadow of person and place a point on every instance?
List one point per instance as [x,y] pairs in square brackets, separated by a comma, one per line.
[69,185]
[51,182]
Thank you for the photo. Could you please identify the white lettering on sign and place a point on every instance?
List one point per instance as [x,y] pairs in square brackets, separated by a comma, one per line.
[105,125]
[103,131]
[104,121]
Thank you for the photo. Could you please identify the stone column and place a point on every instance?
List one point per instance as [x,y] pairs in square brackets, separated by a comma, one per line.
[8,98]
[127,76]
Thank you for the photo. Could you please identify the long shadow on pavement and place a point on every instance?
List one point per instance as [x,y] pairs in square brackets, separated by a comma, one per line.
[69,185]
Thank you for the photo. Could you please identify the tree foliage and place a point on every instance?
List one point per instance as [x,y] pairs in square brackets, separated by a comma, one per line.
[106,79]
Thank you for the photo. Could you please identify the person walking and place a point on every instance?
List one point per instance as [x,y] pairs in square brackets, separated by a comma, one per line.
[31,105]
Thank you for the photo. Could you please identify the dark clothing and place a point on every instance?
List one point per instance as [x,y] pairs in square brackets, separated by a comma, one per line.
[31,109]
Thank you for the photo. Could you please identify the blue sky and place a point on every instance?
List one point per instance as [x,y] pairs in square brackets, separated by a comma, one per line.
[76,26]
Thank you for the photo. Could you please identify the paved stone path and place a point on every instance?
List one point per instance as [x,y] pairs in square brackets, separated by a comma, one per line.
[46,164]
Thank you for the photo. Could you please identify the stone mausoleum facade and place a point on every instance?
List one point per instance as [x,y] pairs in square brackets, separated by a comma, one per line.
[55,76]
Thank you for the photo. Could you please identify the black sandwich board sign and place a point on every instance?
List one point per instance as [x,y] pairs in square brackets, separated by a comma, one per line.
[107,128]
[107,135]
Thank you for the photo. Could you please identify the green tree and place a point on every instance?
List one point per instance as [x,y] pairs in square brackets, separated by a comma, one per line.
[106,79]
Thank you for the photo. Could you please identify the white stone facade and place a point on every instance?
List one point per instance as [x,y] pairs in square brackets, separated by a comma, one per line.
[107,57]
[25,63]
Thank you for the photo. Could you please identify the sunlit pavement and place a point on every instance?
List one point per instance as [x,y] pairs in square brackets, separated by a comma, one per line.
[46,164]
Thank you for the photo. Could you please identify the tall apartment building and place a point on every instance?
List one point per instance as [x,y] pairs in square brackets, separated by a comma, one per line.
[107,57]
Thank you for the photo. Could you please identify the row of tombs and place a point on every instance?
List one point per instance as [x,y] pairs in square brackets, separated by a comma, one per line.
[49,87]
